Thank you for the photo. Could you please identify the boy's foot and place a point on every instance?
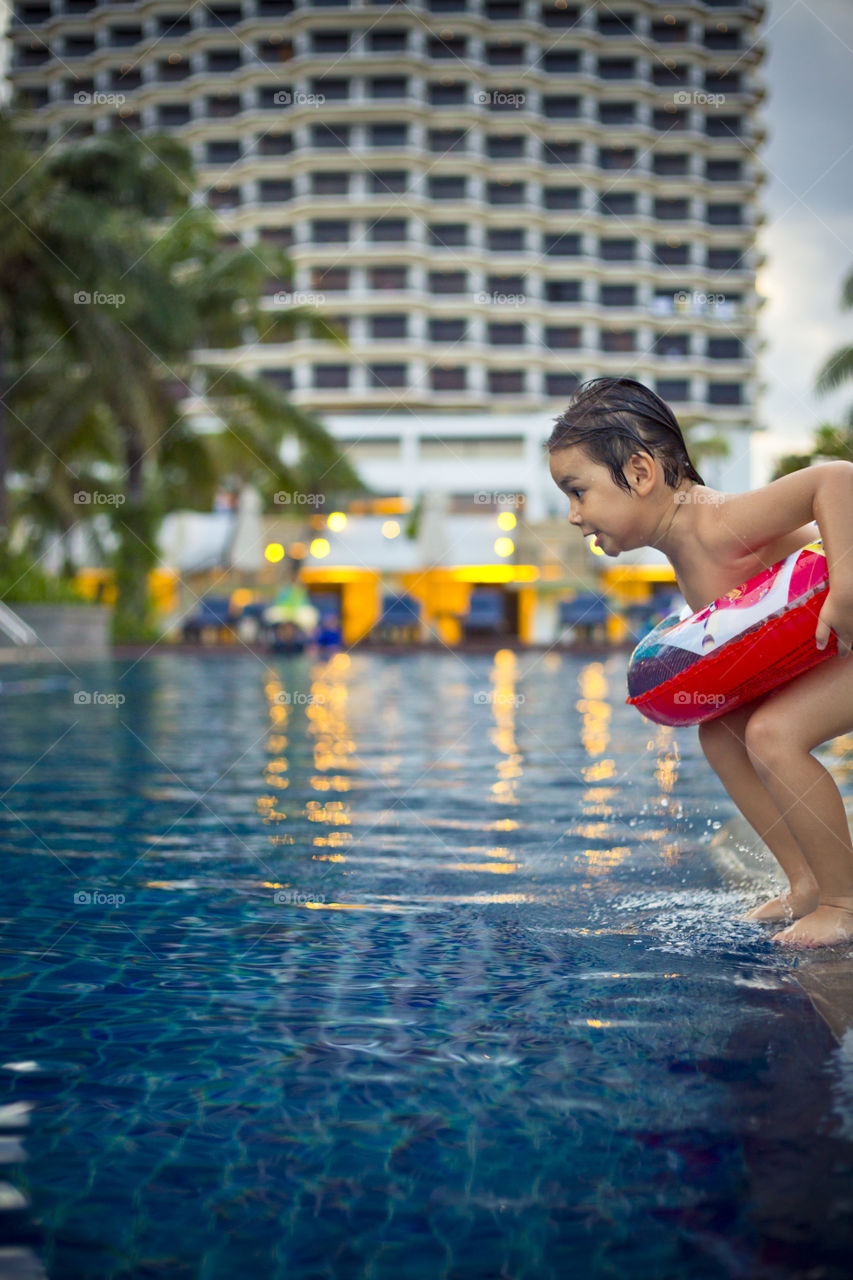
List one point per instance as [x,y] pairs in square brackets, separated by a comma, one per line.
[788,906]
[826,926]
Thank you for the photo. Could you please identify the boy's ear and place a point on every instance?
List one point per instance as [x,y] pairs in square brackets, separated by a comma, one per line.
[641,471]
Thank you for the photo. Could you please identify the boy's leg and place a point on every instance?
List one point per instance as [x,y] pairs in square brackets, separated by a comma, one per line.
[722,741]
[780,735]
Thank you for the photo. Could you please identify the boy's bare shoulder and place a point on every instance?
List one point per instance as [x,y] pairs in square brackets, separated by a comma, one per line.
[735,526]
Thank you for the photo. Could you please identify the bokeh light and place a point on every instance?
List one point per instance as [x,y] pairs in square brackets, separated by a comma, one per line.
[274,552]
[319,548]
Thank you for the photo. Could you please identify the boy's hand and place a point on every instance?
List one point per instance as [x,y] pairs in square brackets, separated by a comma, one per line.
[836,615]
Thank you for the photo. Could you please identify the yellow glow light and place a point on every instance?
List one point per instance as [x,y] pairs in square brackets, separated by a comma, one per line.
[506,520]
[390,528]
[319,548]
[337,521]
[504,546]
[273,552]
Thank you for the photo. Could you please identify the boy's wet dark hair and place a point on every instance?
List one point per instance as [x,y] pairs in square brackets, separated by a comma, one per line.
[613,418]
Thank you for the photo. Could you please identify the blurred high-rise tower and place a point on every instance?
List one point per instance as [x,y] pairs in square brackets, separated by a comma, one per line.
[493,199]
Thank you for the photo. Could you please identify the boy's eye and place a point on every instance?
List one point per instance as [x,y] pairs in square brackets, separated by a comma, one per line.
[579,492]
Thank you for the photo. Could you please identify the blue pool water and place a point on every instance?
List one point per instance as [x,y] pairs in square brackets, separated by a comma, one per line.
[393,967]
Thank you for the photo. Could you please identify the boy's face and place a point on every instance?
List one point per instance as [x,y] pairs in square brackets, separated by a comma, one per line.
[597,504]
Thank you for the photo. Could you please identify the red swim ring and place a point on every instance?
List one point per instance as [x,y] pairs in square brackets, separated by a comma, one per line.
[696,666]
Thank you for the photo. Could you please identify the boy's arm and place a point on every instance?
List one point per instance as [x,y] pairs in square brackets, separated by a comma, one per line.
[746,522]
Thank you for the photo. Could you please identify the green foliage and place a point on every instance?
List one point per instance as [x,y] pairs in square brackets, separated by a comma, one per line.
[112,281]
[23,582]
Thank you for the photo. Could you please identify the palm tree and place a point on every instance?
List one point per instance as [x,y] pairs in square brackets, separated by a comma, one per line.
[116,298]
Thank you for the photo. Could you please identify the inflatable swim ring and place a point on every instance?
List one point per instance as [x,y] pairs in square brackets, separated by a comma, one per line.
[696,666]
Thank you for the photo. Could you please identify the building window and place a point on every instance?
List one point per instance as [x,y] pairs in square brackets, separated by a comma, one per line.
[392,181]
[388,229]
[223,60]
[617,157]
[445,235]
[448,281]
[274,190]
[391,326]
[388,277]
[386,375]
[615,24]
[560,337]
[218,151]
[330,279]
[506,335]
[388,41]
[723,126]
[443,140]
[563,291]
[673,389]
[564,16]
[327,376]
[561,106]
[621,340]
[500,146]
[616,68]
[618,295]
[223,104]
[388,135]
[330,136]
[282,236]
[447,187]
[561,197]
[617,204]
[455,379]
[505,55]
[567,245]
[725,349]
[388,87]
[506,286]
[448,447]
[505,192]
[506,240]
[329,41]
[448,330]
[371,449]
[274,144]
[671,255]
[448,95]
[330,88]
[671,165]
[450,47]
[281,379]
[724,170]
[672,210]
[672,344]
[329,231]
[669,120]
[561,64]
[562,153]
[724,215]
[329,184]
[724,259]
[506,382]
[669,32]
[725,393]
[561,384]
[171,114]
[617,250]
[617,112]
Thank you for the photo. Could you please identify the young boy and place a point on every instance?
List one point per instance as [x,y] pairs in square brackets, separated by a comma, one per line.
[618,454]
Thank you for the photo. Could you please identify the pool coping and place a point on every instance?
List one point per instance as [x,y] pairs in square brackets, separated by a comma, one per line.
[826,976]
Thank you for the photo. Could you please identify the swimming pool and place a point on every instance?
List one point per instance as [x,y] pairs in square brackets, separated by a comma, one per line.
[393,966]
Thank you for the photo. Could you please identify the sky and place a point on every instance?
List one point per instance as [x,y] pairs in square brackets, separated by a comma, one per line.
[808,203]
